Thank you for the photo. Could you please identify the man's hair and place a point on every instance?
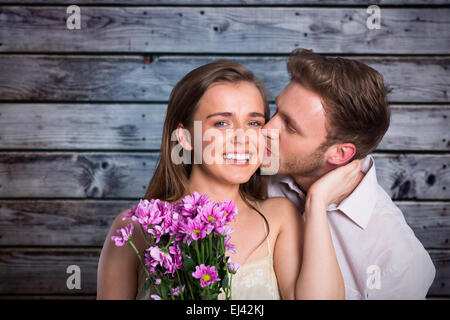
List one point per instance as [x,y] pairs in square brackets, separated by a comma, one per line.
[353,96]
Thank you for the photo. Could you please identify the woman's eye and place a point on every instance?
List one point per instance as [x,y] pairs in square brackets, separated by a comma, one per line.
[220,124]
[290,129]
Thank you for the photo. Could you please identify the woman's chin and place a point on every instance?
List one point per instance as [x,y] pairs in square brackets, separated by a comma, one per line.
[237,178]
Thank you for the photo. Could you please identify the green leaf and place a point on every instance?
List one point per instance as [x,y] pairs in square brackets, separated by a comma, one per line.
[164,291]
[189,265]
[147,284]
[224,283]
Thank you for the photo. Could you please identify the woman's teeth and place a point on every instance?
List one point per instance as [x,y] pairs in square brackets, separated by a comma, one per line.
[240,157]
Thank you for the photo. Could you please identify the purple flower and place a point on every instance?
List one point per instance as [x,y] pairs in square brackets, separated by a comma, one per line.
[206,274]
[229,208]
[176,290]
[155,297]
[190,203]
[157,219]
[228,245]
[196,229]
[154,257]
[148,213]
[124,235]
[177,258]
[233,267]
[169,261]
[129,213]
[213,214]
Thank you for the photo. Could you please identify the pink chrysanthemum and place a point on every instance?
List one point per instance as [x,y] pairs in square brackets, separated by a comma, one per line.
[155,257]
[229,208]
[195,229]
[233,267]
[213,215]
[228,245]
[190,203]
[124,234]
[206,274]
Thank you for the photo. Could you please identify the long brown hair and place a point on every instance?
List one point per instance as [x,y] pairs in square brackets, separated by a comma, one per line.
[169,180]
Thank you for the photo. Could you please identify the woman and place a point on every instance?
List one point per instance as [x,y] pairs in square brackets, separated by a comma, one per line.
[270,236]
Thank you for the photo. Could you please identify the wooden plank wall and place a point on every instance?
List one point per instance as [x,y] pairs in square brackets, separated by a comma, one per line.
[81,112]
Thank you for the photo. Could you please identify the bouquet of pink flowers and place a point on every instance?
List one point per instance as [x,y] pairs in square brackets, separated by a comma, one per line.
[186,246]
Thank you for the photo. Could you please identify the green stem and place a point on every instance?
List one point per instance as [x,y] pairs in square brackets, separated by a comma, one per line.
[171,292]
[179,285]
[210,249]
[188,282]
[229,290]
[139,256]
[207,291]
[157,289]
[152,238]
[197,251]
[145,235]
[170,241]
[202,246]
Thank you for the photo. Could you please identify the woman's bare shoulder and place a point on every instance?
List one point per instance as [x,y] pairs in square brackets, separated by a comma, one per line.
[280,209]
[276,203]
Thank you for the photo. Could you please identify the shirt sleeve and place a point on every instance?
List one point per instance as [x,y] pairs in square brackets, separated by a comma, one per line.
[407,276]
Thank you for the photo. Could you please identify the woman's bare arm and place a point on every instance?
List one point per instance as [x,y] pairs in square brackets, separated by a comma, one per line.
[304,258]
[117,267]
[320,276]
[288,246]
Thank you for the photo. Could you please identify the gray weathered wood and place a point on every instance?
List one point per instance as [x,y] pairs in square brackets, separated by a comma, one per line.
[235,2]
[58,222]
[81,126]
[126,175]
[418,128]
[430,222]
[68,223]
[43,271]
[407,176]
[134,78]
[441,283]
[225,29]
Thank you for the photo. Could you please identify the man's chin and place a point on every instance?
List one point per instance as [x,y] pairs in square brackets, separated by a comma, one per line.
[272,171]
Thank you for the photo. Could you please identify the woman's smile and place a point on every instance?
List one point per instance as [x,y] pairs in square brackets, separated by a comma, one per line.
[241,159]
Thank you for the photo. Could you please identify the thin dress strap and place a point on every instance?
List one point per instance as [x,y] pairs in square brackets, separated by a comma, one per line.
[265,231]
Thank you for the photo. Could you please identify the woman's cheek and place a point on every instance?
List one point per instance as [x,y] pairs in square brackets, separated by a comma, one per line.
[213,147]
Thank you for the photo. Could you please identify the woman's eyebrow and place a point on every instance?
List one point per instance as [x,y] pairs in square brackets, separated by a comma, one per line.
[230,114]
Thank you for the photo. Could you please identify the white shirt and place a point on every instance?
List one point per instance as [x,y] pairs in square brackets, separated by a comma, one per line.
[378,253]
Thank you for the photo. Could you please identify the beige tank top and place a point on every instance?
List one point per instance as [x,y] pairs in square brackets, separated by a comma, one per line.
[255,280]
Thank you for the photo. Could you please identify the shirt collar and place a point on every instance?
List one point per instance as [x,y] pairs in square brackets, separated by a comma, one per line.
[358,206]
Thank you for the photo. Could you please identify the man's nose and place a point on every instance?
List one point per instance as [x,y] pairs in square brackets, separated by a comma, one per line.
[267,128]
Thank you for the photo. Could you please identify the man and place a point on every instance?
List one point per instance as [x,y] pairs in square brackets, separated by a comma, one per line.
[335,110]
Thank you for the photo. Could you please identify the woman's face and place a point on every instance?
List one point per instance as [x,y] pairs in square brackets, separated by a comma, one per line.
[231,117]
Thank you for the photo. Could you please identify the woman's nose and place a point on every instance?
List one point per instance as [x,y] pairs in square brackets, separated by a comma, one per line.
[239,136]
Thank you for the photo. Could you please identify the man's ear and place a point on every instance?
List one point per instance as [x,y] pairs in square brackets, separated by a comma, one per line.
[340,154]
[183,137]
